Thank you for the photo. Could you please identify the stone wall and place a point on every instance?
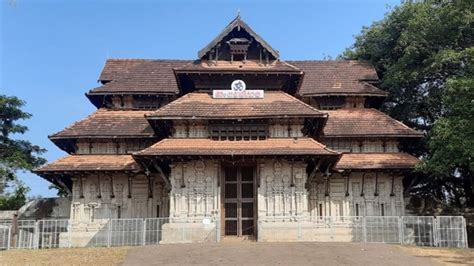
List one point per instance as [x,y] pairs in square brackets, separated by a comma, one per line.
[284,196]
[282,191]
[357,194]
[194,190]
[106,196]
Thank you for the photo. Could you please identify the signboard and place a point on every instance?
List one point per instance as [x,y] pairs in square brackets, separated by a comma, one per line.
[237,91]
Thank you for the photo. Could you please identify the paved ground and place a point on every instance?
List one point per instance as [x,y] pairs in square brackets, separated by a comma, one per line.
[252,253]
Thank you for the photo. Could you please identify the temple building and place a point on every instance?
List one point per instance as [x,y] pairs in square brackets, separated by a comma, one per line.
[232,139]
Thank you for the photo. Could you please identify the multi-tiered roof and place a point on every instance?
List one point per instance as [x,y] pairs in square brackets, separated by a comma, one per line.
[139,102]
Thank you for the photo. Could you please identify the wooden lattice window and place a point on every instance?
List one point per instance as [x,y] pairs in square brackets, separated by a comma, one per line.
[238,131]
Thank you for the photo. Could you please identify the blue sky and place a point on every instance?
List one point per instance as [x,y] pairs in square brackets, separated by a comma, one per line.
[51,52]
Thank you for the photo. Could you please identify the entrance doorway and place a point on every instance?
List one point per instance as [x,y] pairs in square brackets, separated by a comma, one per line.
[239,205]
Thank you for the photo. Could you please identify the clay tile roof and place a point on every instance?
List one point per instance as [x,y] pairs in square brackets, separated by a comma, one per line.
[108,124]
[202,147]
[366,123]
[72,163]
[239,66]
[337,78]
[376,161]
[139,76]
[202,105]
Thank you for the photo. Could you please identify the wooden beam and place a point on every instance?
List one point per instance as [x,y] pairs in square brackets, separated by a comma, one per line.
[164,176]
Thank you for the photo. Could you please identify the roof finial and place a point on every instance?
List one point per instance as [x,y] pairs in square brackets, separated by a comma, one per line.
[238,13]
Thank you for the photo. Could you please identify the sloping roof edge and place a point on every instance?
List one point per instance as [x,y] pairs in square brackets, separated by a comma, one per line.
[237,22]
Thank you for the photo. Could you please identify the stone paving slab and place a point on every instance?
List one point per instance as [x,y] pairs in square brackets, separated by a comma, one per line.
[252,253]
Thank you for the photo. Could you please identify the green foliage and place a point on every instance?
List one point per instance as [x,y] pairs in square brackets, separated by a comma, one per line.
[424,55]
[14,201]
[415,49]
[15,154]
[451,144]
[61,192]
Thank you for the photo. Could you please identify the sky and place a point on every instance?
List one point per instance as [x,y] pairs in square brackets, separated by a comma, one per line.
[52,51]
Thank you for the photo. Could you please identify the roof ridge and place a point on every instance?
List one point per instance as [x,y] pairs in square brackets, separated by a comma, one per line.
[399,122]
[290,65]
[365,83]
[147,59]
[324,146]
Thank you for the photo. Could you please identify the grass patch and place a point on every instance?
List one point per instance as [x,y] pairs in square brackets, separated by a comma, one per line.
[64,256]
[446,256]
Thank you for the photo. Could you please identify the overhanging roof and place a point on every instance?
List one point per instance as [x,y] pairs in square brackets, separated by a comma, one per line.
[376,161]
[338,78]
[90,163]
[365,122]
[105,123]
[206,147]
[275,104]
[249,66]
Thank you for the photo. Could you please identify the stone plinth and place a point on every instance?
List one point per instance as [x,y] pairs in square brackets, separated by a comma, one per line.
[305,231]
[188,233]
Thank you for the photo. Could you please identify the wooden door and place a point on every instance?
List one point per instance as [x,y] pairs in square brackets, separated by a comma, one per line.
[239,201]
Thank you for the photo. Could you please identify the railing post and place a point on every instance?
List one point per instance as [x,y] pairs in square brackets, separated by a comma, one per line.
[42,233]
[184,232]
[69,226]
[299,230]
[364,229]
[466,244]
[259,230]
[402,229]
[9,236]
[109,232]
[144,232]
[218,231]
[36,236]
[435,232]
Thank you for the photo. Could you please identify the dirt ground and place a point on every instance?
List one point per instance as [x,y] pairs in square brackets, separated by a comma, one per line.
[248,253]
[64,256]
[444,256]
[282,254]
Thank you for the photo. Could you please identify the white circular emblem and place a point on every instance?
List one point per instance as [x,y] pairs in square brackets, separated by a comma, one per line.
[238,85]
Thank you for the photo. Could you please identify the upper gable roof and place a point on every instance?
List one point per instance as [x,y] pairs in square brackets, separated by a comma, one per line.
[344,77]
[202,105]
[240,24]
[135,76]
[156,72]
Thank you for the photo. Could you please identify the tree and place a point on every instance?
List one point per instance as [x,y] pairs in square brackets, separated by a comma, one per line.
[422,52]
[16,199]
[451,146]
[15,154]
[60,191]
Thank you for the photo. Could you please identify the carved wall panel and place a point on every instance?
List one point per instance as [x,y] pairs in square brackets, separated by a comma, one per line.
[194,192]
[364,195]
[114,201]
[283,189]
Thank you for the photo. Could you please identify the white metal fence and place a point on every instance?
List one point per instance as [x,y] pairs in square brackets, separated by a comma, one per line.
[442,231]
